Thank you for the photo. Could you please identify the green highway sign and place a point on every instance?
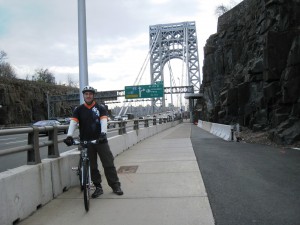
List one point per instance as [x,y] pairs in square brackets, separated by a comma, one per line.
[145,91]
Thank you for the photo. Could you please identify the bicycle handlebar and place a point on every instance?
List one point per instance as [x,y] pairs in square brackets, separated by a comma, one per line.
[76,142]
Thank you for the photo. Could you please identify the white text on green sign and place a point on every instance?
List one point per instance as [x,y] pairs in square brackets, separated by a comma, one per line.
[144,91]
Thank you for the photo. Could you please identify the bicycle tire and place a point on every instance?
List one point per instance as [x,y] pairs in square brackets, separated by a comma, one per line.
[79,172]
[86,185]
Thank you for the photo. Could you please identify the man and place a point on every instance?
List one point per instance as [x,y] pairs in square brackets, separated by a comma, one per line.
[92,119]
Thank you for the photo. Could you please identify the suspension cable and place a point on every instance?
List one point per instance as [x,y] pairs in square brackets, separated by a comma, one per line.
[141,72]
[143,68]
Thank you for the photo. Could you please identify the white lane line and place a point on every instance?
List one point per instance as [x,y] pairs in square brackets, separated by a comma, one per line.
[7,143]
[6,139]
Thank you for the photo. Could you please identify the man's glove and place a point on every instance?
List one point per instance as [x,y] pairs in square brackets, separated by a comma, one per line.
[102,138]
[69,141]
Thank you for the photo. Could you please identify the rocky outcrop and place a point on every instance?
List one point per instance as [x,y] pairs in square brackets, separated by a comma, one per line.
[24,102]
[251,71]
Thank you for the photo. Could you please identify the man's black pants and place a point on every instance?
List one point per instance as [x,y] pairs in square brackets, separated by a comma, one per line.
[107,160]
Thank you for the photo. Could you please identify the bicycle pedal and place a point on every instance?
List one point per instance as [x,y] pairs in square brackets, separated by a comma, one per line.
[75,168]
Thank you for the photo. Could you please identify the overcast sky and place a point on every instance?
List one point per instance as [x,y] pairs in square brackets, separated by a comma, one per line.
[44,34]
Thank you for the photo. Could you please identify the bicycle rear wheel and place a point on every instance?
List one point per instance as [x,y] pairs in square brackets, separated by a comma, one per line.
[86,184]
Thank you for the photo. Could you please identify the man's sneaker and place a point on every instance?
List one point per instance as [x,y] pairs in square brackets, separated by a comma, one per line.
[98,192]
[117,190]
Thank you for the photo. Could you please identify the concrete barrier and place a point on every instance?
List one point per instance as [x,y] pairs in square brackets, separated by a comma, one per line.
[26,188]
[204,125]
[226,132]
[207,126]
[200,124]
[221,130]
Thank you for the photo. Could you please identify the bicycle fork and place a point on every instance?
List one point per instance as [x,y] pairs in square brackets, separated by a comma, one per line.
[85,160]
[79,168]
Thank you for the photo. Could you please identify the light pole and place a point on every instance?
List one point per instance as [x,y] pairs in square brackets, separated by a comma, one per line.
[83,70]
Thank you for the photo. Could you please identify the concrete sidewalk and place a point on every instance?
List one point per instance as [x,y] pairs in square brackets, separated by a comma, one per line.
[166,189]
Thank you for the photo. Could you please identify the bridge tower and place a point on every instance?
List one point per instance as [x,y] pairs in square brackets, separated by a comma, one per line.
[169,41]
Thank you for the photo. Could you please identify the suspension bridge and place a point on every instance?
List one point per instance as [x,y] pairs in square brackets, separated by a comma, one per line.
[167,42]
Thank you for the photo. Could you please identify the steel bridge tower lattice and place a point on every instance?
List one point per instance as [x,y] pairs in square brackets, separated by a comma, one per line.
[170,41]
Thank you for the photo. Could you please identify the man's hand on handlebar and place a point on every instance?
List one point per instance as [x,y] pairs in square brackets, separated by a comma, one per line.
[69,141]
[102,138]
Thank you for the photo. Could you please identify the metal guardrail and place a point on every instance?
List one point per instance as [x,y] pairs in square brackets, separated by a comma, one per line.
[33,144]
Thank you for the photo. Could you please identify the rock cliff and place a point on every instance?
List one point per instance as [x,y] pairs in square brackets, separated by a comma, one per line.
[251,69]
[24,102]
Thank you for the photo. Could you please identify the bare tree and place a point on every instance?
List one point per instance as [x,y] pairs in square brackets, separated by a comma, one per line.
[44,75]
[3,56]
[71,82]
[6,70]
[221,9]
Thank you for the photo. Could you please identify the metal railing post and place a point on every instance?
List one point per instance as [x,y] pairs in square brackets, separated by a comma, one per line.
[124,126]
[53,149]
[33,155]
[146,123]
[136,125]
[154,121]
[120,124]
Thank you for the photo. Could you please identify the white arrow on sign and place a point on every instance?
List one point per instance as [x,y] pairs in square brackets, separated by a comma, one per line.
[140,91]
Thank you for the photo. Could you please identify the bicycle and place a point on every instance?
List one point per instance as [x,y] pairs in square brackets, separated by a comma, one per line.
[84,171]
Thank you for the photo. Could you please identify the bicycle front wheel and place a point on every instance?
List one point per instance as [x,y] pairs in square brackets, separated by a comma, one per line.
[86,184]
[79,173]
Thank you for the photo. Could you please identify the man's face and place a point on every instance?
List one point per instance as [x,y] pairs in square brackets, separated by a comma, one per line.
[88,97]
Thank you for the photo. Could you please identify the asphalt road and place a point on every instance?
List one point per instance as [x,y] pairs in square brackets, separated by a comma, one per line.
[249,183]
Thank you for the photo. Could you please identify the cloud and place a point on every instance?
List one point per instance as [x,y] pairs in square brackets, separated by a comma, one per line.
[44,34]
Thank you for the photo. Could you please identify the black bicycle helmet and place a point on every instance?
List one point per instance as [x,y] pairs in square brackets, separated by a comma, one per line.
[88,88]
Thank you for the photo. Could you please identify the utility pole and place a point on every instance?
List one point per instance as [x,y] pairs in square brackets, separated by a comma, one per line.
[82,46]
[48,105]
